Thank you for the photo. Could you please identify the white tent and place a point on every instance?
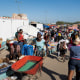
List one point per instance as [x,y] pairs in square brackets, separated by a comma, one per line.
[29,29]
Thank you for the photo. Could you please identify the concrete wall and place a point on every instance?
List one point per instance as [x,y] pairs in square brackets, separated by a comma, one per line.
[8,27]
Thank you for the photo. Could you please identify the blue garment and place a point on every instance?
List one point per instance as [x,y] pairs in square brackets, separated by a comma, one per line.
[73,63]
[15,42]
[56,34]
[40,44]
[21,45]
[75,52]
[69,34]
[24,49]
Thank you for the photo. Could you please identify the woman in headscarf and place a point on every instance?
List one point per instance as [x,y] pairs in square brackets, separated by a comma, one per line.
[40,43]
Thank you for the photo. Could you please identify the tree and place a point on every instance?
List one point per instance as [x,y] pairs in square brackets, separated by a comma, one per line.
[59,23]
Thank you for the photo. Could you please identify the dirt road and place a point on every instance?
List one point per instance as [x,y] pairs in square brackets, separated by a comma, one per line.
[53,67]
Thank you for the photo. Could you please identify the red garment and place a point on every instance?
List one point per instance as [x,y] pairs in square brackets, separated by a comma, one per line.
[75,58]
[20,37]
[0,45]
[71,42]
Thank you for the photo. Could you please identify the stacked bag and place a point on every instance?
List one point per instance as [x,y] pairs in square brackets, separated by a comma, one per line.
[27,50]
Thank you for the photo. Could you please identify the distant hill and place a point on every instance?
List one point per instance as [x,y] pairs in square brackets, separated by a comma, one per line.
[62,22]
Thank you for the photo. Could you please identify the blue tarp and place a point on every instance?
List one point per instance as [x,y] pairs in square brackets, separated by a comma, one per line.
[46,26]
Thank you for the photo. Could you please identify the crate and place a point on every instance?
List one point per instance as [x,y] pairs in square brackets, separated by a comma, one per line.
[3,70]
[3,45]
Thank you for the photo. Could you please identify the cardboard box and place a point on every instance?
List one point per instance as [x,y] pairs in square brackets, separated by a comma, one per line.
[1,40]
[3,70]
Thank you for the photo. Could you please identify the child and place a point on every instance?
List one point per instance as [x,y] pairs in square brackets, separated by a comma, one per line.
[63,50]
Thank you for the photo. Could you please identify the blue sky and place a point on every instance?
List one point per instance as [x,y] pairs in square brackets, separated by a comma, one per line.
[47,11]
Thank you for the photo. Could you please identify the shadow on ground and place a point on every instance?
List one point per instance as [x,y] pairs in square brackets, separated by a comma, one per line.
[50,72]
[54,56]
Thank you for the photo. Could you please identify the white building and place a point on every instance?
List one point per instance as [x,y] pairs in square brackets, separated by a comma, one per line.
[8,27]
[37,25]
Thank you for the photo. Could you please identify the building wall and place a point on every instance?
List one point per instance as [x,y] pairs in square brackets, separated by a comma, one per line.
[8,27]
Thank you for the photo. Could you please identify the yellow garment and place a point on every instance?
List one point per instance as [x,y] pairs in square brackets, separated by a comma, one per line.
[59,34]
[76,36]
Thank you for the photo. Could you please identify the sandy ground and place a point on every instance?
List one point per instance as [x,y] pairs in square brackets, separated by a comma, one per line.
[53,67]
[4,53]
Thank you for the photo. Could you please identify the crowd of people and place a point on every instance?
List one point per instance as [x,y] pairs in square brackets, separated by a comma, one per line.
[66,40]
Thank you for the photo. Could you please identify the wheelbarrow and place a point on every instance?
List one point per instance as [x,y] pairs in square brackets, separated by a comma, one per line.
[29,65]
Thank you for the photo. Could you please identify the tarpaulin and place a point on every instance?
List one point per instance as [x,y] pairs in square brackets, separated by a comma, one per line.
[46,26]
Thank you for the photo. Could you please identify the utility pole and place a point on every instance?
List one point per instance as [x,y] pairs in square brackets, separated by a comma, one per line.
[18,5]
